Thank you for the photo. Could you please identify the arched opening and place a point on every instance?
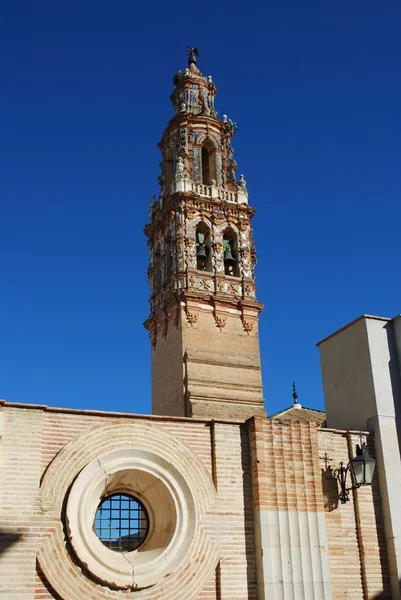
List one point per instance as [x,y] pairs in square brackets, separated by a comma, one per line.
[203,248]
[208,159]
[230,247]
[205,166]
[158,269]
[168,253]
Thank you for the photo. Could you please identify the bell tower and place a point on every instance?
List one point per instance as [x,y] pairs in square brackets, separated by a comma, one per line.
[203,321]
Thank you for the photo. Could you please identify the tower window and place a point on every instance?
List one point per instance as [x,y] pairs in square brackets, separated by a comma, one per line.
[121,522]
[203,253]
[230,248]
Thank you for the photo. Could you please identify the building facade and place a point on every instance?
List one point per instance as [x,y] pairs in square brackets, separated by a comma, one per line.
[208,498]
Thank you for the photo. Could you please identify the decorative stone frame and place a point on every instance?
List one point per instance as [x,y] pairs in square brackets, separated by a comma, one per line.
[128,456]
[167,499]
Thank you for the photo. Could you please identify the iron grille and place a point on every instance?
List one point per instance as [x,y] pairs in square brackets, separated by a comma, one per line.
[121,522]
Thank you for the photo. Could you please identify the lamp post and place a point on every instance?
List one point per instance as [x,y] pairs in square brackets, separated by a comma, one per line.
[362,467]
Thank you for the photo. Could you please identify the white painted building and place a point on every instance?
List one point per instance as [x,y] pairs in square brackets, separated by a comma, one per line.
[361,369]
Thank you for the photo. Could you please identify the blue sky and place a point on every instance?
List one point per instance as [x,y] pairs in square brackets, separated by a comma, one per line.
[315,88]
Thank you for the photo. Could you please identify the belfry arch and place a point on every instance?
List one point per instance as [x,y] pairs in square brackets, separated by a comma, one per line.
[208,161]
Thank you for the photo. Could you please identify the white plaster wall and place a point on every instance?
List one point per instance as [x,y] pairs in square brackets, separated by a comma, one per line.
[292,551]
[347,378]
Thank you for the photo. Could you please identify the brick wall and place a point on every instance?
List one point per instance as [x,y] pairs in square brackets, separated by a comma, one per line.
[292,475]
[222,368]
[34,438]
[268,478]
[168,374]
[357,553]
[203,371]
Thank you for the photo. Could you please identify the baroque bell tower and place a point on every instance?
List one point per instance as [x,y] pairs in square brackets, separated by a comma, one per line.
[203,321]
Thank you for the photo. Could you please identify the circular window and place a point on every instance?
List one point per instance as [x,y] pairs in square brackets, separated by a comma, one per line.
[121,522]
[131,518]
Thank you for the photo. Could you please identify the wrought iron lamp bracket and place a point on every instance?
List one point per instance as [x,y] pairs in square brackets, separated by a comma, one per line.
[341,474]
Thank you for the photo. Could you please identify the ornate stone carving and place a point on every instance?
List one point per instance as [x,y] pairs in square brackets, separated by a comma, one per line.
[247,324]
[221,319]
[192,315]
[190,246]
[164,324]
[153,336]
[180,169]
[242,182]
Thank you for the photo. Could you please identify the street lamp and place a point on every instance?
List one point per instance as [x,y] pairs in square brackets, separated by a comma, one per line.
[362,467]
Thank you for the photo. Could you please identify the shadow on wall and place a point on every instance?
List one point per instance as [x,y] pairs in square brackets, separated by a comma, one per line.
[8,538]
[248,514]
[330,489]
[387,595]
[46,584]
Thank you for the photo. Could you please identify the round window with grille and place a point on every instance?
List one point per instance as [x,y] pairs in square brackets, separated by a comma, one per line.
[121,522]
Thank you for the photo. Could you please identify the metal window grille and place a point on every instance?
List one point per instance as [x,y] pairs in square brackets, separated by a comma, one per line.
[121,522]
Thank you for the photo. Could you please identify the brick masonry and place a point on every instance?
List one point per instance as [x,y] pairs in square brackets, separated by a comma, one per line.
[260,465]
[204,371]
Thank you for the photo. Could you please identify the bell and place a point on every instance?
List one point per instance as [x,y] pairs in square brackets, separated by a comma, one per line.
[229,260]
[201,252]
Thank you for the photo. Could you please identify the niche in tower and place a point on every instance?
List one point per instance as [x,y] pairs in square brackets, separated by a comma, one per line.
[168,253]
[203,248]
[169,168]
[208,159]
[230,247]
[158,269]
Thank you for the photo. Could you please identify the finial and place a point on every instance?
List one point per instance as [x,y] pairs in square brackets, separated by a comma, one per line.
[192,54]
[224,118]
[294,393]
[242,182]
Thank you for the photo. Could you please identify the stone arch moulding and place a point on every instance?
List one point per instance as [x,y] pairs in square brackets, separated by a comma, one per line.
[175,488]
[208,137]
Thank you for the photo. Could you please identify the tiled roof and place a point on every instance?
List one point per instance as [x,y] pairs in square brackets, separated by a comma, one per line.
[305,415]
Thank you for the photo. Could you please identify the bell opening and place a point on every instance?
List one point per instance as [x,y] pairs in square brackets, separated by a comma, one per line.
[203,253]
[230,245]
